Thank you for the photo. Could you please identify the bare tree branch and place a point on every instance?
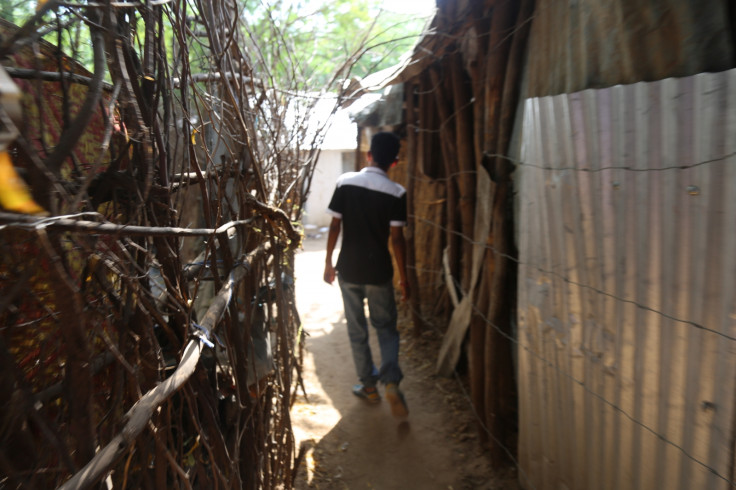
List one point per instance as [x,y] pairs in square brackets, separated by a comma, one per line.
[140,414]
[16,221]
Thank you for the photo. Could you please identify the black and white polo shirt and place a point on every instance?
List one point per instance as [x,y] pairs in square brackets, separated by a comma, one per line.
[368,203]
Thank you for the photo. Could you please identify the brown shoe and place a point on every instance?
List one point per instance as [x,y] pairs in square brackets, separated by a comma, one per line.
[396,399]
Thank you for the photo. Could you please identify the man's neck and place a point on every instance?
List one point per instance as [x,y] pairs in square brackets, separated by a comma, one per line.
[375,165]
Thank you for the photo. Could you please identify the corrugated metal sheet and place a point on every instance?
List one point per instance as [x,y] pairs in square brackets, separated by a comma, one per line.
[581,44]
[627,286]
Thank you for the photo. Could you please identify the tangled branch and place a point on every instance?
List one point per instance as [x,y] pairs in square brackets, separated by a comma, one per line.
[171,195]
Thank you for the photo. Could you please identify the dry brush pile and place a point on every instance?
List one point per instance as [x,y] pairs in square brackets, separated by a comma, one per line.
[148,334]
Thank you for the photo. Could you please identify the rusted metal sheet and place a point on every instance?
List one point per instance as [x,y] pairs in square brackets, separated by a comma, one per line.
[580,44]
[627,286]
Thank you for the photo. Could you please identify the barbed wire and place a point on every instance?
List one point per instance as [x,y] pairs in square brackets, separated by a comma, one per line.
[520,164]
[425,270]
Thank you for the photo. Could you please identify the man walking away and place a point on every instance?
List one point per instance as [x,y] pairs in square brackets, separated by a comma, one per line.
[370,208]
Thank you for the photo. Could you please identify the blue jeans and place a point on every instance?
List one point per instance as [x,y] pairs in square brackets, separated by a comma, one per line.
[382,312]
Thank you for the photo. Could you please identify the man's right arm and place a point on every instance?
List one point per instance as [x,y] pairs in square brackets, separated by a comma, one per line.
[334,233]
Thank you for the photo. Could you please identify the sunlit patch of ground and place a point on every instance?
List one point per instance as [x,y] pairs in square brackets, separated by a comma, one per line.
[346,443]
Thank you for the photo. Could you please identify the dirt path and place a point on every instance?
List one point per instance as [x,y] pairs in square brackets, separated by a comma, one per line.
[354,445]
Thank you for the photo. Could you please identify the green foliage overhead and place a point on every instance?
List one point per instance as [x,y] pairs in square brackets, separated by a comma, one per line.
[310,44]
[13,10]
[318,41]
[63,30]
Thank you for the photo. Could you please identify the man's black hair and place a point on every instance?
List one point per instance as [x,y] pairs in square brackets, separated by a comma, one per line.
[385,148]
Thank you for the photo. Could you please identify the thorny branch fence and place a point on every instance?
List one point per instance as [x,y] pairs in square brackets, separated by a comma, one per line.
[148,333]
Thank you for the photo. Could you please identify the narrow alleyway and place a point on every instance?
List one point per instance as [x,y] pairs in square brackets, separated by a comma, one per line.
[350,444]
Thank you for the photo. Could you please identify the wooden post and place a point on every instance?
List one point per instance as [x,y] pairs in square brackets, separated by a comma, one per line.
[500,385]
[448,158]
[476,357]
[502,89]
[411,175]
[466,164]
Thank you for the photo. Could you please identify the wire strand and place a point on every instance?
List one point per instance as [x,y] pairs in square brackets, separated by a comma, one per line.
[576,283]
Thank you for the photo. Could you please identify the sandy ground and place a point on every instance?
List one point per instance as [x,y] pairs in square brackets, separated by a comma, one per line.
[349,444]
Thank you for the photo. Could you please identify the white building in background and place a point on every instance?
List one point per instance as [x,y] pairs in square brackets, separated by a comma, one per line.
[337,156]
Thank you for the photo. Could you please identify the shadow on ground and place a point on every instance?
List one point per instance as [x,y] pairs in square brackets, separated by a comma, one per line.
[347,443]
